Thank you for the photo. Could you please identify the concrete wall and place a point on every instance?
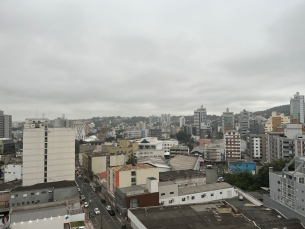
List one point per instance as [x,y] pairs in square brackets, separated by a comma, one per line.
[166,190]
[12,172]
[60,193]
[200,197]
[268,202]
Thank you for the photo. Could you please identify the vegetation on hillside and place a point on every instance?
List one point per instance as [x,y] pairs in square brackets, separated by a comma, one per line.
[280,109]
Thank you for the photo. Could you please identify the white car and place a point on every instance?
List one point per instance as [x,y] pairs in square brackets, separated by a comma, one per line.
[96,211]
[86,204]
[78,189]
[83,197]
[108,208]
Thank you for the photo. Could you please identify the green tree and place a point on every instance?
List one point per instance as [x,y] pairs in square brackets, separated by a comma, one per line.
[91,175]
[183,137]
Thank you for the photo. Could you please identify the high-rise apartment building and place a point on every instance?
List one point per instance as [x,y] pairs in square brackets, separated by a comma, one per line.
[61,122]
[244,122]
[200,119]
[287,190]
[232,145]
[165,118]
[287,144]
[182,121]
[227,120]
[5,125]
[297,108]
[80,132]
[48,153]
[257,146]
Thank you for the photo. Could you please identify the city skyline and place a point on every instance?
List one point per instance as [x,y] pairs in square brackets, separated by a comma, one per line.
[141,58]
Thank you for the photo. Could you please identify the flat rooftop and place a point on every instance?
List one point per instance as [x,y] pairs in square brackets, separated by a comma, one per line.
[58,184]
[131,167]
[188,217]
[172,175]
[203,188]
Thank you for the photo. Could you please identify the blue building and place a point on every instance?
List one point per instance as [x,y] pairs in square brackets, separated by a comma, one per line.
[241,166]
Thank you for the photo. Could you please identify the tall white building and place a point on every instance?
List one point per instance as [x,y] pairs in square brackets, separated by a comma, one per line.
[48,153]
[182,121]
[80,130]
[297,108]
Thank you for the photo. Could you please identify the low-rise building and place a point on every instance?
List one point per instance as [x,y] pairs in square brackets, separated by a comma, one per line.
[213,152]
[124,146]
[240,166]
[59,214]
[158,162]
[128,175]
[183,178]
[137,196]
[12,172]
[42,193]
[148,153]
[179,150]
[276,120]
[7,146]
[96,162]
[257,146]
[199,194]
[203,142]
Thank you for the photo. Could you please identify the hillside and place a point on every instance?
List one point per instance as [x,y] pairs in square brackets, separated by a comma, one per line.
[280,109]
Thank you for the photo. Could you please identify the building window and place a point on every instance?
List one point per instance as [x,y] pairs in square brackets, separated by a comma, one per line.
[45,145]
[212,194]
[37,193]
[50,192]
[43,192]
[18,204]
[45,180]
[183,199]
[32,202]
[278,182]
[220,193]
[162,194]
[171,193]
[203,195]
[25,195]
[133,180]
[28,203]
[301,180]
[193,197]
[16,195]
[13,205]
[278,190]
[12,196]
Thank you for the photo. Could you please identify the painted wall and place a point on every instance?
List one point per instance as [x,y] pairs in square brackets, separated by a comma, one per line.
[237,167]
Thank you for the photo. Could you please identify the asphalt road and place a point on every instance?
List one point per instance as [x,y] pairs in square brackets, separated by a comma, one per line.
[94,200]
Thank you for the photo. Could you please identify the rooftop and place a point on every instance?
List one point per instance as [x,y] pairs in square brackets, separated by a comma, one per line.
[188,216]
[131,167]
[10,185]
[58,184]
[203,188]
[181,162]
[156,161]
[103,174]
[172,175]
[199,149]
[134,189]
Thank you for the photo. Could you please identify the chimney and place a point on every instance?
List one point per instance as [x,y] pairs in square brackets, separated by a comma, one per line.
[270,169]
[152,184]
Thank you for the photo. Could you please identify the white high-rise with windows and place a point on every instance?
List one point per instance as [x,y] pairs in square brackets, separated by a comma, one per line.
[5,125]
[48,153]
[182,121]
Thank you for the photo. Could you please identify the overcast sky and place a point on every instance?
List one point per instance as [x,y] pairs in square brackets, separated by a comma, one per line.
[138,58]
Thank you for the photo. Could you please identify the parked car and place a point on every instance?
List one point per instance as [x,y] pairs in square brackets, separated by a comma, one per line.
[241,198]
[86,204]
[83,197]
[81,227]
[97,211]
[220,179]
[86,179]
[103,201]
[78,189]
[108,208]
[91,214]
[111,212]
[79,176]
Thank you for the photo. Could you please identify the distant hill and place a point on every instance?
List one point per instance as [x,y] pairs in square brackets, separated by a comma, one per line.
[280,109]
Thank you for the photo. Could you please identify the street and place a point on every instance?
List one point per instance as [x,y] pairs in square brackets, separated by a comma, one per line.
[94,200]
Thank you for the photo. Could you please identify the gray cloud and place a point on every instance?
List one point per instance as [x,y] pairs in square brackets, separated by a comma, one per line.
[130,58]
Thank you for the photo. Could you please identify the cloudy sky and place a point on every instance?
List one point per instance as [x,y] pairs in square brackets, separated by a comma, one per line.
[138,58]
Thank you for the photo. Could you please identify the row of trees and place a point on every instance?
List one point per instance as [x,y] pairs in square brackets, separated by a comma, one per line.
[249,182]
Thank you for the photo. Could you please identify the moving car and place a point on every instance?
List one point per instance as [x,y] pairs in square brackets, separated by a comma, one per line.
[91,214]
[83,197]
[111,212]
[86,204]
[97,211]
[78,189]
[103,201]
[108,208]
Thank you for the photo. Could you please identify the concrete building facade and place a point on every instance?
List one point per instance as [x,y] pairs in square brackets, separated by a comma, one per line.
[5,125]
[276,120]
[48,153]
[297,108]
[244,122]
[258,147]
[128,175]
[200,117]
[182,121]
[227,120]
[232,145]
[213,152]
[12,172]
[80,130]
